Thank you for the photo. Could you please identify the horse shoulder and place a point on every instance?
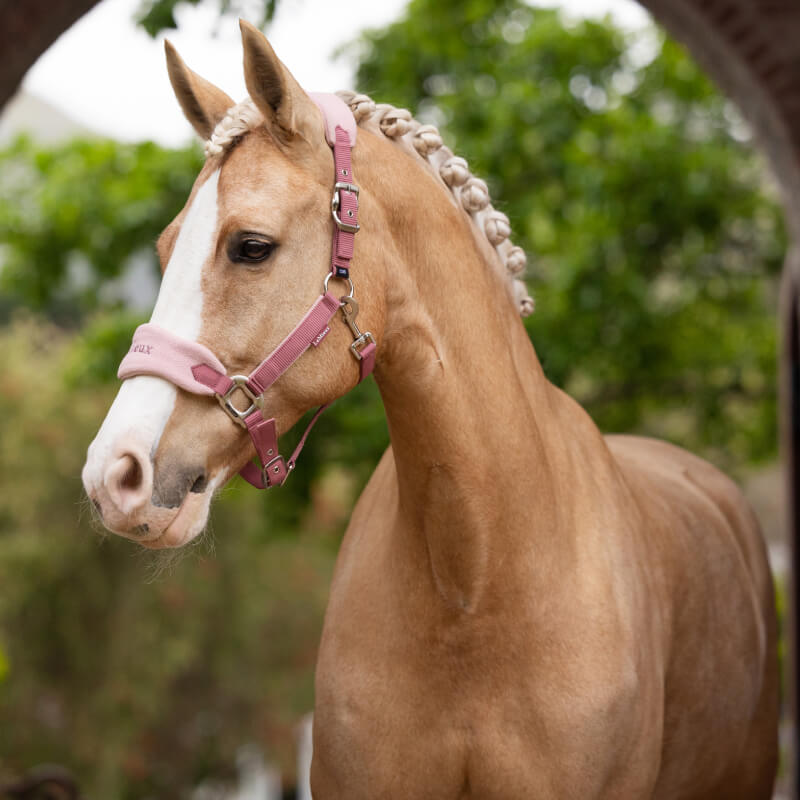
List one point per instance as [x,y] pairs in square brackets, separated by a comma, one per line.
[709,568]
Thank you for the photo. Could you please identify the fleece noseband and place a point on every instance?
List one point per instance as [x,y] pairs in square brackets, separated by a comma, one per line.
[193,367]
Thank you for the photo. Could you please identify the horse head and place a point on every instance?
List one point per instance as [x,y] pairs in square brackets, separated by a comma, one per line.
[242,263]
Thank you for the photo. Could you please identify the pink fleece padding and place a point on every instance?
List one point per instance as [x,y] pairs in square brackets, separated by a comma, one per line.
[156,351]
[335,112]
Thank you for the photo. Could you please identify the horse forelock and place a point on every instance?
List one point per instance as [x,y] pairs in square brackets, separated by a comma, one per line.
[239,119]
[398,125]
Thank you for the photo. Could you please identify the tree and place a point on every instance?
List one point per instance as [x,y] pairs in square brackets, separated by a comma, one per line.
[79,212]
[28,29]
[141,687]
[654,236]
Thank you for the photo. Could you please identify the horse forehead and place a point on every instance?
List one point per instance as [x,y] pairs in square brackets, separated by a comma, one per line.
[258,175]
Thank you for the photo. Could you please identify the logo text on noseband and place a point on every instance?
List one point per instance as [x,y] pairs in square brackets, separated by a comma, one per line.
[146,349]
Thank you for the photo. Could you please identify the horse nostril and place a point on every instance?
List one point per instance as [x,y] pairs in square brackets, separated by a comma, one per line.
[128,481]
[132,479]
[199,486]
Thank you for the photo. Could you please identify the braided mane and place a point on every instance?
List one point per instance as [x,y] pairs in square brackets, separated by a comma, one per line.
[424,140]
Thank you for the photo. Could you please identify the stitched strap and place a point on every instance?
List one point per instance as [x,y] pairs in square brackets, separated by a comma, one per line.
[217,381]
[275,469]
[310,330]
[342,248]
[367,363]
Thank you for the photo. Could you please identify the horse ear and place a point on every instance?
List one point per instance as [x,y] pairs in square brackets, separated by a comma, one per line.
[275,91]
[203,104]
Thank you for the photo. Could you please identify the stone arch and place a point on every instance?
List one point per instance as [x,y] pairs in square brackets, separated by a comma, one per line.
[751,48]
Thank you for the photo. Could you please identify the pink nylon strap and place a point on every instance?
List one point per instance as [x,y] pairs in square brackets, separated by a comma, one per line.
[367,362]
[157,351]
[265,439]
[310,330]
[264,435]
[342,248]
[340,133]
[217,381]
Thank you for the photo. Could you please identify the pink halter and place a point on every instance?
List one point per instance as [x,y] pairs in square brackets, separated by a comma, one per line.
[193,367]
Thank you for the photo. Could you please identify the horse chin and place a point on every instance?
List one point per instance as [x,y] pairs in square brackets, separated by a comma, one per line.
[160,528]
[186,525]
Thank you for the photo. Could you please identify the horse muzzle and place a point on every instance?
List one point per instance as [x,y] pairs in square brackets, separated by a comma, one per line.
[134,502]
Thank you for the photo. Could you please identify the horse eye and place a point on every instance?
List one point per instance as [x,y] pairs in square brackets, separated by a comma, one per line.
[252,251]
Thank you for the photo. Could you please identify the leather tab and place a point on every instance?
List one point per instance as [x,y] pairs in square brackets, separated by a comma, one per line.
[264,435]
[218,382]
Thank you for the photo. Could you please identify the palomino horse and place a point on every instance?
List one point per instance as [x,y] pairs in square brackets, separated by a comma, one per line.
[521,607]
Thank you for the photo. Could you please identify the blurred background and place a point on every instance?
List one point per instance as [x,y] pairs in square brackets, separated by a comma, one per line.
[655,240]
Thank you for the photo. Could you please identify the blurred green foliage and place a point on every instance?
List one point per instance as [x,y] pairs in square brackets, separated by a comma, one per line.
[143,674]
[158,15]
[72,216]
[655,243]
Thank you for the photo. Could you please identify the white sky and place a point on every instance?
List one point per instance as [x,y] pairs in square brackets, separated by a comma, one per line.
[110,76]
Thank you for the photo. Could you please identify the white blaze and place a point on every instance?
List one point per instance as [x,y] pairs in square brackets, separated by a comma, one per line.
[179,306]
[144,404]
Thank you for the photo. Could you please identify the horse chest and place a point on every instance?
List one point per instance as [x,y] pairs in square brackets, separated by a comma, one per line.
[400,742]
[404,714]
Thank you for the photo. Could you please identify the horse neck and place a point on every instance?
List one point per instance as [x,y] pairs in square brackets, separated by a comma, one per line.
[465,397]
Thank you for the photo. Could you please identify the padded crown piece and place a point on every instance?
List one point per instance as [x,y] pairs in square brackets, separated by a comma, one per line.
[335,112]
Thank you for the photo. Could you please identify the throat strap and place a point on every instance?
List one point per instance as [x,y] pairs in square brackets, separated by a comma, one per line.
[275,470]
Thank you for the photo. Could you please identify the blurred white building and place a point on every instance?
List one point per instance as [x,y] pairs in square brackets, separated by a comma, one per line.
[26,113]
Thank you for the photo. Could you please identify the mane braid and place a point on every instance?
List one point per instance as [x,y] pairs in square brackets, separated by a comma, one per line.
[425,142]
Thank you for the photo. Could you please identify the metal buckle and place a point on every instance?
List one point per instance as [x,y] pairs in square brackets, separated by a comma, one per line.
[336,203]
[362,341]
[349,310]
[288,467]
[238,382]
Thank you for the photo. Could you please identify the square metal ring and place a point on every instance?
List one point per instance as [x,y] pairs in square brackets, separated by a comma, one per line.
[238,382]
